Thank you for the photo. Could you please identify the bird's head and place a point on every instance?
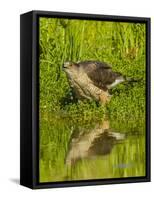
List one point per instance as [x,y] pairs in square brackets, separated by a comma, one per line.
[71,68]
[69,65]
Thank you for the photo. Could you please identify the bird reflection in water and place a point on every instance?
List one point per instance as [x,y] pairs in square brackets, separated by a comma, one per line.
[89,143]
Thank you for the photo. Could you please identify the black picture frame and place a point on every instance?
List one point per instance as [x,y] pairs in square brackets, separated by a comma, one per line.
[29,95]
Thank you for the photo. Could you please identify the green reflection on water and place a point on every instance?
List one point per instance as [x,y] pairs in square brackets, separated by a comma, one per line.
[108,149]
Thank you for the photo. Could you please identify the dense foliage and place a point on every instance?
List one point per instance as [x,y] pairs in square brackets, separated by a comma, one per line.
[120,44]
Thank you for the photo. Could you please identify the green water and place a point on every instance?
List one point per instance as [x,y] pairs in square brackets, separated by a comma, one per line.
[108,149]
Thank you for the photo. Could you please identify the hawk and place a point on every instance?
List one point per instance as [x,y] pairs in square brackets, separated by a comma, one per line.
[93,79]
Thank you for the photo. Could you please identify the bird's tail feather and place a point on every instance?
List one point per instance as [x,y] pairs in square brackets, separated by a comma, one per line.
[128,79]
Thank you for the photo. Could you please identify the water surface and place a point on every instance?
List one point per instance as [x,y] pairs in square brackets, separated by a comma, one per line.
[107,149]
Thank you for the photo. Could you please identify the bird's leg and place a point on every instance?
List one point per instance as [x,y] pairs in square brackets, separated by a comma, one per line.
[104,97]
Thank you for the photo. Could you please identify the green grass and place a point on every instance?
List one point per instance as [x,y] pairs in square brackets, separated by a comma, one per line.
[123,46]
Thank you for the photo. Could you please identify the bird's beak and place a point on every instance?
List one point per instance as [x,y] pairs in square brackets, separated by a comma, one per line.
[64,67]
[66,64]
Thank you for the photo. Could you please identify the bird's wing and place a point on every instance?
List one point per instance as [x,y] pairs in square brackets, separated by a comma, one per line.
[96,63]
[100,73]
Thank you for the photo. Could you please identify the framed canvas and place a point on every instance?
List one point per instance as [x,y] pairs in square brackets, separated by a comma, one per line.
[85,99]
